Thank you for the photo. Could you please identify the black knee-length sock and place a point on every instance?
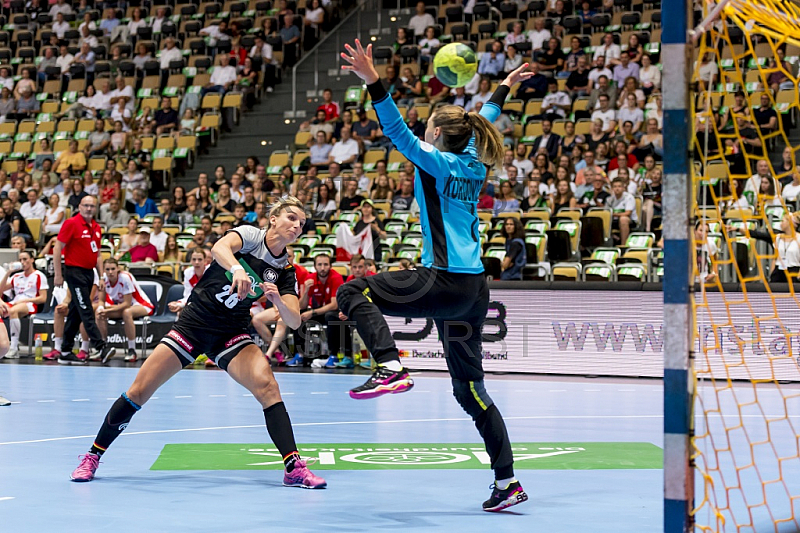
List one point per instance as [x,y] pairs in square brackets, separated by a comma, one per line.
[280,431]
[115,423]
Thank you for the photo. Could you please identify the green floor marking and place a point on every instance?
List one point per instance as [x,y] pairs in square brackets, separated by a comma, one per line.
[412,456]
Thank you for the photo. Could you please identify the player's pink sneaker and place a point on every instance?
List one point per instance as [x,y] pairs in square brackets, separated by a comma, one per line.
[87,468]
[83,355]
[301,476]
[52,355]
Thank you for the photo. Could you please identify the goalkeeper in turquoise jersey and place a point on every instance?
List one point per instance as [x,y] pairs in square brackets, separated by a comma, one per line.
[450,287]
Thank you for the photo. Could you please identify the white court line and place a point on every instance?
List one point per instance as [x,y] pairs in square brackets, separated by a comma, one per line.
[248,395]
[183,396]
[592,390]
[15,403]
[557,390]
[4,498]
[319,393]
[626,390]
[284,394]
[82,400]
[114,399]
[217,395]
[45,401]
[345,423]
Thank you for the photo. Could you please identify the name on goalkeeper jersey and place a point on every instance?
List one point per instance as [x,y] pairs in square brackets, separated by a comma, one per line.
[464,189]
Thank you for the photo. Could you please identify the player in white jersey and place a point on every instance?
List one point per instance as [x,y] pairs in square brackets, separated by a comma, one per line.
[122,298]
[29,290]
[59,316]
[200,260]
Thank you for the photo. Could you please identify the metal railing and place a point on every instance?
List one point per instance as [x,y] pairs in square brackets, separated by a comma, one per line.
[335,33]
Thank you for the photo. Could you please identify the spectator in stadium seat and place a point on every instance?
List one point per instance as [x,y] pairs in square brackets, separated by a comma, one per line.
[410,87]
[571,59]
[133,179]
[26,81]
[599,69]
[382,189]
[27,105]
[114,215]
[239,216]
[109,22]
[436,91]
[222,79]
[603,88]
[548,140]
[623,206]
[516,255]
[158,237]
[166,118]
[492,63]
[606,114]
[224,203]
[609,49]
[562,198]
[60,26]
[290,37]
[346,120]
[142,205]
[198,242]
[551,60]
[708,71]
[787,166]
[216,33]
[556,102]
[6,80]
[515,36]
[539,35]
[48,60]
[631,112]
[350,199]
[513,61]
[168,213]
[143,250]
[652,140]
[537,192]
[99,140]
[87,38]
[506,201]
[319,153]
[778,80]
[157,22]
[54,216]
[15,219]
[459,97]
[413,123]
[578,81]
[325,207]
[404,199]
[71,159]
[345,151]
[624,70]
[765,116]
[649,76]
[483,95]
[421,20]
[33,208]
[762,171]
[365,130]
[791,190]
[534,86]
[361,177]
[86,57]
[651,194]
[168,54]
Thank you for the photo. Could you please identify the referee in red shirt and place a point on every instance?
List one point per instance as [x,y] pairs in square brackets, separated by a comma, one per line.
[79,238]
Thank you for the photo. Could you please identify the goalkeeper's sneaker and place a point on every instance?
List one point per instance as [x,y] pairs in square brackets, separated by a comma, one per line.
[505,498]
[383,381]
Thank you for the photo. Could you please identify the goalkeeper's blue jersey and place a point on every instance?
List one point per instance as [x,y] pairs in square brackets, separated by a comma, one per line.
[446,187]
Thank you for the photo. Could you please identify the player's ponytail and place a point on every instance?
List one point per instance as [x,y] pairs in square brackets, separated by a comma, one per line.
[458,127]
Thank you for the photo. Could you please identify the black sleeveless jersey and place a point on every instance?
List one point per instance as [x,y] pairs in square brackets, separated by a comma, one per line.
[211,301]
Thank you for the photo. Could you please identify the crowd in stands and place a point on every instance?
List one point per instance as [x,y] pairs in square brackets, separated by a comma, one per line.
[583,134]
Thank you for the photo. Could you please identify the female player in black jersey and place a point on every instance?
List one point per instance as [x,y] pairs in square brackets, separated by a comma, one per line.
[214,322]
[450,286]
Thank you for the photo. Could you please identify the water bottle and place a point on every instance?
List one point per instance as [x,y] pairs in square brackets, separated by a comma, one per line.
[13,267]
[38,347]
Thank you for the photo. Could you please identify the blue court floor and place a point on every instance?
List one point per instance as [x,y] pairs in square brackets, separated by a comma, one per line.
[60,410]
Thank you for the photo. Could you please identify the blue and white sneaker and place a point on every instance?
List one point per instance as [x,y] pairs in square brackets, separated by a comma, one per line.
[297,360]
[331,362]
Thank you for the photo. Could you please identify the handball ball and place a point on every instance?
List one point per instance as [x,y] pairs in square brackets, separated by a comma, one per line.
[455,64]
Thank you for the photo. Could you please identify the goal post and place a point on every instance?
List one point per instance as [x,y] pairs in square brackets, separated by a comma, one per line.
[676,59]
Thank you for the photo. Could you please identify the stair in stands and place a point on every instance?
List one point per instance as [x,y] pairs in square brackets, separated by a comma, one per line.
[266,123]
